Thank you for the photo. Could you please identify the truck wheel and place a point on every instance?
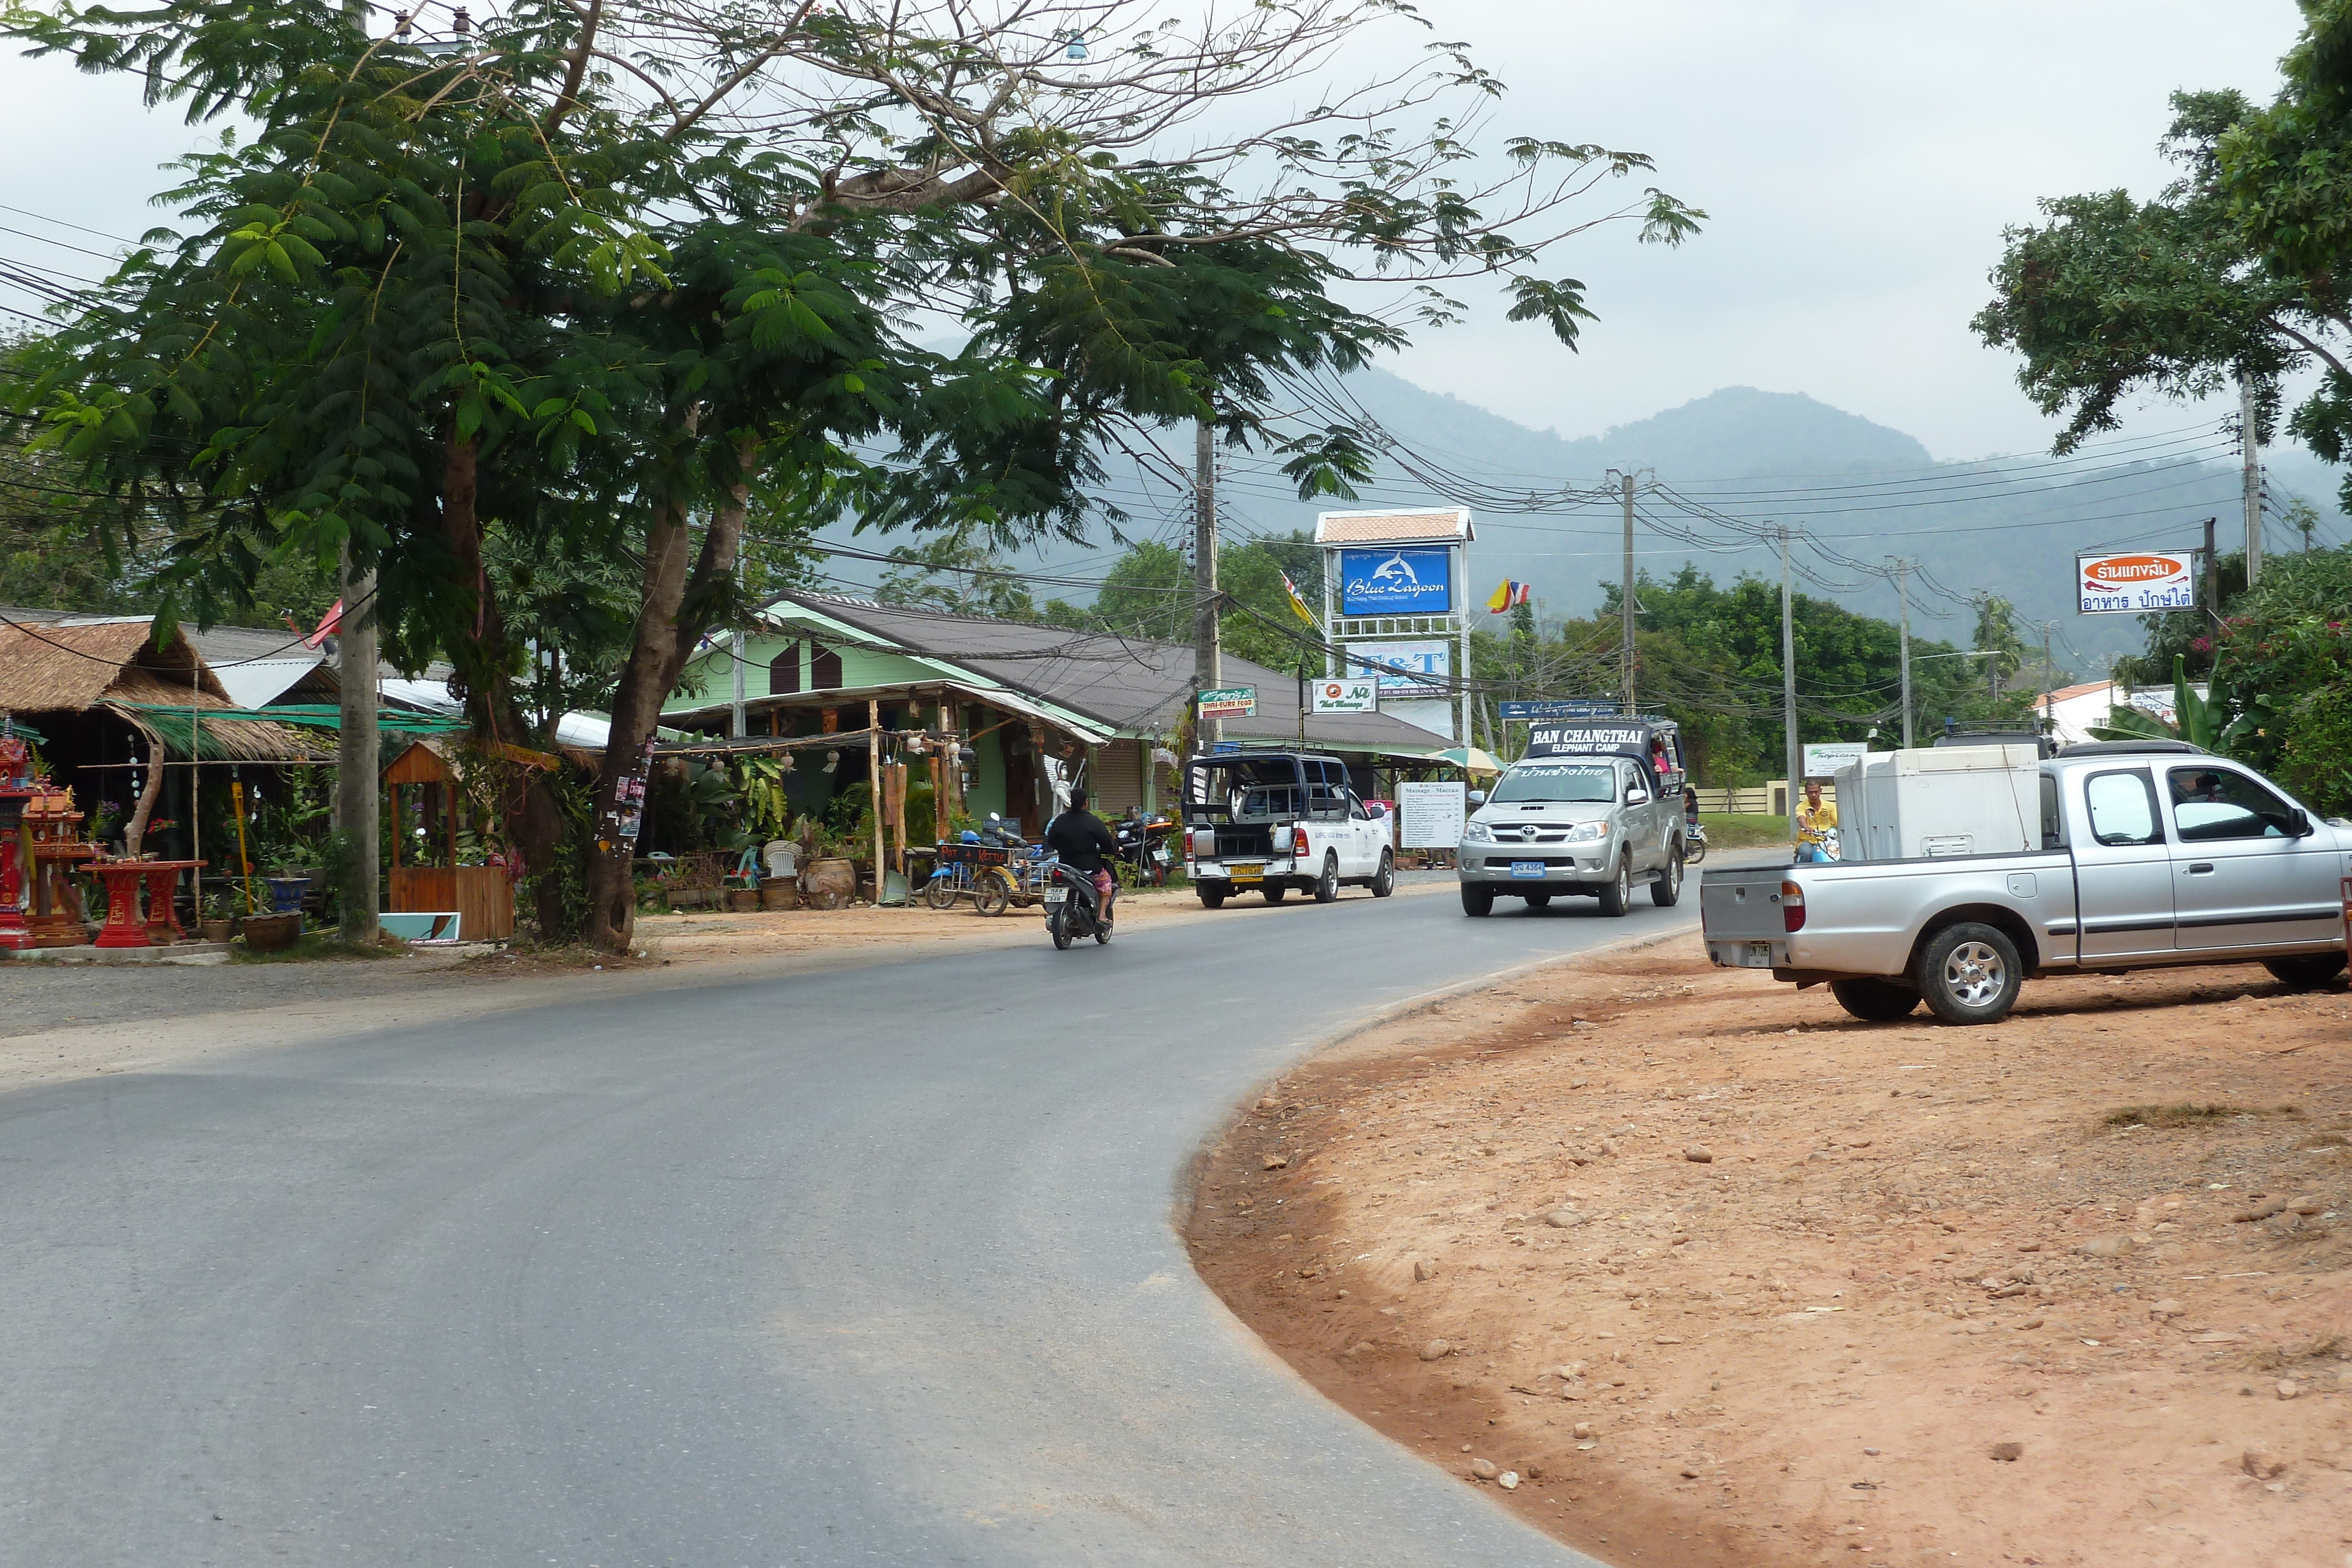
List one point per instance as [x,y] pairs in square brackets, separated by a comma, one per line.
[1875,1001]
[1384,880]
[1617,895]
[1478,900]
[1669,885]
[2306,971]
[1211,897]
[1276,892]
[1969,972]
[1326,887]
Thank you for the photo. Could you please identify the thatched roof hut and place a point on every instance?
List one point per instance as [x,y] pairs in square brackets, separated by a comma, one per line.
[112,664]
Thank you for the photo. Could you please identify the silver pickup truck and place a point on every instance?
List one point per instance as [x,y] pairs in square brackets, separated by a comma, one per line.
[2153,853]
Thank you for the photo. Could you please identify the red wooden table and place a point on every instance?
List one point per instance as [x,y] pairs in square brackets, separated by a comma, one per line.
[124,926]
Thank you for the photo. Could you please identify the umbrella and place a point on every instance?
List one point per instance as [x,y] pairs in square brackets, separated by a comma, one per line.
[1470,759]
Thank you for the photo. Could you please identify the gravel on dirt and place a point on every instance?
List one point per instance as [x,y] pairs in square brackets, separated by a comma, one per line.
[2107,1241]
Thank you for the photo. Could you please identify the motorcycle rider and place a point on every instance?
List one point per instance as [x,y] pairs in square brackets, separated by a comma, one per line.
[1079,837]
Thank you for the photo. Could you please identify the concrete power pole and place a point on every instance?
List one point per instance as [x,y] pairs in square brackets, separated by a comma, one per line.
[2253,484]
[1903,597]
[1789,684]
[2212,575]
[356,765]
[1625,634]
[2049,679]
[1208,652]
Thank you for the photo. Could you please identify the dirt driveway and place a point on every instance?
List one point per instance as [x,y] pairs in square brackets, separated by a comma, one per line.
[1689,1268]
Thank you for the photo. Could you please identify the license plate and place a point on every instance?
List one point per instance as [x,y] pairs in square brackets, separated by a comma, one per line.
[1755,955]
[1056,894]
[1246,872]
[1529,870]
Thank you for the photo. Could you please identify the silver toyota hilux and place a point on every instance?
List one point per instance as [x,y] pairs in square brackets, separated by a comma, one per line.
[1593,809]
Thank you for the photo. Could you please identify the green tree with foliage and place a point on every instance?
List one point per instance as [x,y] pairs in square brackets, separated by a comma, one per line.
[2233,273]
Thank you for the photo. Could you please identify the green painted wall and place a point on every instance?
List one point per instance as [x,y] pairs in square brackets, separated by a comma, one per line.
[710,680]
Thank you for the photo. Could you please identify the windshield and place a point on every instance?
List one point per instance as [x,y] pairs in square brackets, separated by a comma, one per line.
[1591,781]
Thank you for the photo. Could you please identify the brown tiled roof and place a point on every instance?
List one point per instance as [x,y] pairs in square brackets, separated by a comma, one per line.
[1391,527]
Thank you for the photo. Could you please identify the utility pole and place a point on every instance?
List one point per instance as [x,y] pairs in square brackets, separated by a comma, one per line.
[1903,597]
[2049,679]
[356,763]
[1208,653]
[1625,655]
[2212,575]
[735,647]
[2247,415]
[1789,683]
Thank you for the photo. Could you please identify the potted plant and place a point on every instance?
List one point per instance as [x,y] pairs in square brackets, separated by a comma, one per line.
[216,923]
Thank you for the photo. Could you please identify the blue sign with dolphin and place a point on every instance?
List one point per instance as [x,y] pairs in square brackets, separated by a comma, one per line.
[1415,580]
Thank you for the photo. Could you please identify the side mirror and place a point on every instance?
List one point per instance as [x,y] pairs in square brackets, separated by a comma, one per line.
[1477,798]
[2300,822]
[1633,795]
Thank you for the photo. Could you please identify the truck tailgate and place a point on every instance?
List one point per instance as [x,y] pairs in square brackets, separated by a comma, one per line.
[1740,916]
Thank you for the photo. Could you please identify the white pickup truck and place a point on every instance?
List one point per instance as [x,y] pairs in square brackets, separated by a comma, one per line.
[2152,854]
[1269,822]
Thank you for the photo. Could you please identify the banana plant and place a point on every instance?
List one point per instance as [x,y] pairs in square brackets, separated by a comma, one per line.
[2200,720]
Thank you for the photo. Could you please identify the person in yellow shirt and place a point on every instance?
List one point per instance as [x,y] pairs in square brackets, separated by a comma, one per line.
[1815,820]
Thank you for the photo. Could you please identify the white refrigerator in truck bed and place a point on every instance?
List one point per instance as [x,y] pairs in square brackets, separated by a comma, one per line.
[1941,800]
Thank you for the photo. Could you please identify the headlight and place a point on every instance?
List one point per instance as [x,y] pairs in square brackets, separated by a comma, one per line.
[1477,833]
[1585,832]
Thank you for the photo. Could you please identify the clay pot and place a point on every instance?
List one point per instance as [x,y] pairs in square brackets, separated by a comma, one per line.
[213,930]
[272,933]
[778,892]
[829,883]
[743,900]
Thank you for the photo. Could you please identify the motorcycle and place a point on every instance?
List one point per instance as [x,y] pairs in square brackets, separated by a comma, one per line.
[1694,843]
[1073,907]
[1143,845]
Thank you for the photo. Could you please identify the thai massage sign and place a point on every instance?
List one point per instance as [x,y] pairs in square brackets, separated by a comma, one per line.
[2134,583]
[1412,579]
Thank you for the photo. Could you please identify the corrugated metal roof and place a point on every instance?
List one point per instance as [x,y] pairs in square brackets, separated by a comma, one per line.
[1437,524]
[1132,684]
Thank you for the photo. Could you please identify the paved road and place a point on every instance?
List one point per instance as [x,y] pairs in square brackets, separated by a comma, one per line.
[869,1266]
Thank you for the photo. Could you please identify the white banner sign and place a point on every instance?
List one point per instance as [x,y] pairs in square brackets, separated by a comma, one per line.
[2109,584]
[1345,694]
[1832,758]
[1406,669]
[1429,816]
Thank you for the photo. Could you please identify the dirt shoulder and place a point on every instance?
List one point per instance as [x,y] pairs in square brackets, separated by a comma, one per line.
[1723,1277]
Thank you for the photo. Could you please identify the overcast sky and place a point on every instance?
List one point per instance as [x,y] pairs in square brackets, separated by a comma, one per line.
[1858,159]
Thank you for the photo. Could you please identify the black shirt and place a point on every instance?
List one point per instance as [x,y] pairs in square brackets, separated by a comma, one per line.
[1081,840]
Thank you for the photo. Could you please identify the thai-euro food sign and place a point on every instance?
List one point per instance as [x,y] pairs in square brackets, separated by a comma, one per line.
[1413,580]
[2134,584]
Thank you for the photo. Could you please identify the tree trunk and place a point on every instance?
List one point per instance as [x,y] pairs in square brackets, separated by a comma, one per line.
[672,617]
[149,793]
[534,823]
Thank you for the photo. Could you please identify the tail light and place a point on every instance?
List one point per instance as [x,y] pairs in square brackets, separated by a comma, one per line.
[1793,906]
[1299,843]
[1204,843]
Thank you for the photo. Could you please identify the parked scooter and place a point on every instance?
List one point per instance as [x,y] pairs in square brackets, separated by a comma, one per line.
[1073,907]
[1143,844]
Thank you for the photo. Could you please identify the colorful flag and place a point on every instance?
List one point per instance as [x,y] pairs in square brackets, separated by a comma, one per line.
[1296,603]
[1508,597]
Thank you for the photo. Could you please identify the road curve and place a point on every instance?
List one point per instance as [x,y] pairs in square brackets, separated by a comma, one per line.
[869,1266]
